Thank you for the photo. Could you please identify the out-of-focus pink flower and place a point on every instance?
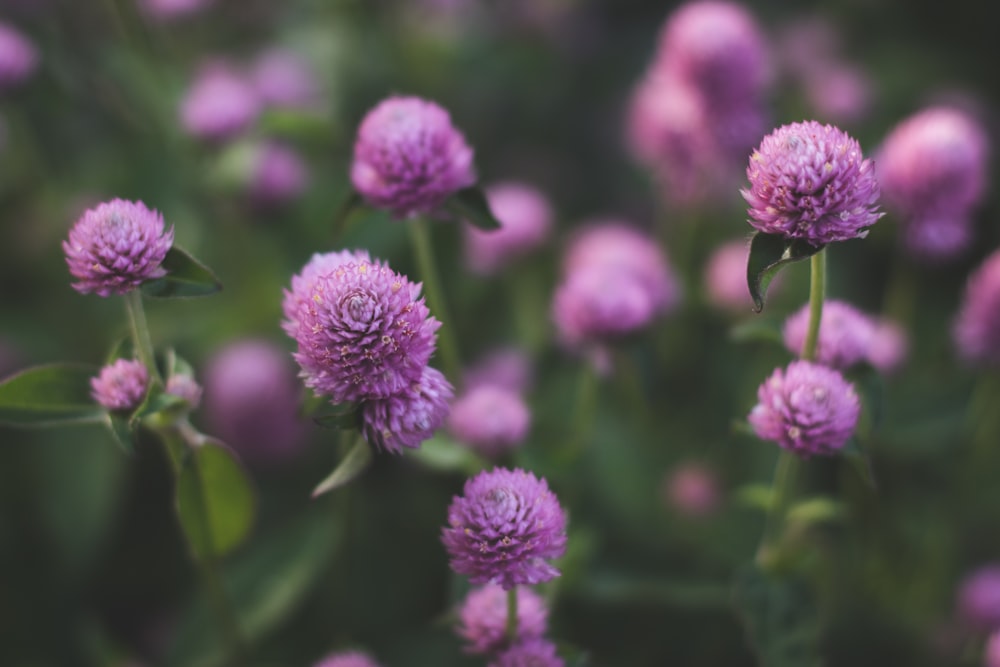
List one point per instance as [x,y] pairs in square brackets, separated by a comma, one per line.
[525,216]
[692,489]
[284,79]
[219,104]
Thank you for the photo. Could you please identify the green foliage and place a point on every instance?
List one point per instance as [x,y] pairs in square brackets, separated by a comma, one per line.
[352,465]
[769,253]
[186,277]
[470,204]
[780,616]
[50,395]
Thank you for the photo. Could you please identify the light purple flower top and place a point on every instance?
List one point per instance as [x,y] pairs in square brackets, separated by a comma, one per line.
[726,277]
[409,417]
[169,10]
[490,419]
[18,57]
[278,175]
[320,264]
[219,104]
[978,598]
[121,385]
[526,220]
[507,367]
[186,388]
[483,618]
[976,329]
[692,489]
[991,654]
[284,79]
[535,652]
[347,659]
[845,334]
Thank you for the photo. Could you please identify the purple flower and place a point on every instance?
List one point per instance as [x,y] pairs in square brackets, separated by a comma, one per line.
[409,417]
[505,529]
[526,222]
[811,182]
[889,346]
[839,92]
[170,10]
[507,367]
[363,331]
[490,419]
[283,79]
[121,385]
[806,408]
[219,104]
[530,653]
[991,654]
[347,659]
[726,277]
[692,490]
[185,388]
[408,158]
[320,264]
[116,247]
[845,334]
[483,618]
[978,599]
[976,330]
[278,174]
[18,57]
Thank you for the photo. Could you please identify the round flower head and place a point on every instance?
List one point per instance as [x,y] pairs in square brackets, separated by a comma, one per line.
[991,653]
[185,388]
[409,417]
[726,277]
[976,330]
[507,367]
[408,158]
[490,419]
[840,93]
[278,174]
[806,408]
[937,239]
[116,247]
[526,221]
[483,618]
[978,599]
[347,659]
[535,652]
[845,334]
[504,529]
[889,346]
[363,332]
[18,57]
[121,385]
[169,10]
[692,490]
[320,264]
[283,79]
[810,182]
[599,304]
[219,104]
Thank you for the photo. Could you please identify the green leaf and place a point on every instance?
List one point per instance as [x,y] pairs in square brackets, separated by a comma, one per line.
[350,466]
[816,510]
[780,617]
[122,430]
[471,205]
[49,395]
[756,496]
[444,454]
[769,253]
[175,365]
[185,277]
[215,500]
[861,461]
[757,330]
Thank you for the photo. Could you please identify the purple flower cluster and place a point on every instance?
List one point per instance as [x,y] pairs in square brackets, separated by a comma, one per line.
[526,219]
[185,388]
[491,419]
[976,330]
[531,653]
[347,659]
[219,104]
[407,418]
[408,158]
[277,174]
[483,618]
[848,337]
[285,80]
[121,385]
[18,57]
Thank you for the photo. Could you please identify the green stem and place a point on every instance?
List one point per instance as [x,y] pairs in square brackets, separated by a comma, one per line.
[583,411]
[424,250]
[784,479]
[512,615]
[817,293]
[140,333]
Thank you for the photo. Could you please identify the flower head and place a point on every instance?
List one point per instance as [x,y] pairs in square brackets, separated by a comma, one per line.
[692,490]
[507,367]
[845,334]
[409,417]
[889,346]
[116,247]
[408,158]
[283,79]
[219,104]
[320,264]
[185,388]
[535,652]
[810,181]
[991,654]
[490,419]
[278,174]
[169,10]
[120,385]
[806,408]
[504,529]
[347,659]
[483,618]
[18,57]
[526,221]
[978,598]
[976,329]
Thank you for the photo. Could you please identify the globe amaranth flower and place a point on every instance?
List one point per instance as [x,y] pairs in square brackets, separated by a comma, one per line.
[976,329]
[525,216]
[407,418]
[692,489]
[408,158]
[806,408]
[978,598]
[120,385]
[117,246]
[185,388]
[363,330]
[845,334]
[283,79]
[347,659]
[18,57]
[504,529]
[277,174]
[507,367]
[483,618]
[535,652]
[991,653]
[490,419]
[219,104]
[320,264]
[810,182]
[933,171]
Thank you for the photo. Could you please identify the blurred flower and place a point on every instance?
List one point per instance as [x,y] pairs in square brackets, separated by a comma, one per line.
[979,598]
[185,388]
[121,385]
[407,418]
[932,168]
[408,158]
[347,659]
[991,654]
[845,334]
[530,653]
[363,331]
[692,490]
[490,419]
[219,104]
[505,529]
[726,277]
[976,329]
[18,57]
[278,174]
[507,367]
[117,246]
[252,400]
[169,10]
[284,79]
[526,222]
[806,408]
[889,346]
[838,92]
[810,182]
[483,618]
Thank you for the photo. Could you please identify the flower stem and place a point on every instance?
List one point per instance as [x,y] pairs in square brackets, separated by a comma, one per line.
[424,250]
[140,333]
[817,293]
[512,615]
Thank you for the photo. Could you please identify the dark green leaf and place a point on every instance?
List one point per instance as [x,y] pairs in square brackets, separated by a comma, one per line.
[757,329]
[350,466]
[471,205]
[312,403]
[215,500]
[123,432]
[353,202]
[815,510]
[769,253]
[780,617]
[185,277]
[49,395]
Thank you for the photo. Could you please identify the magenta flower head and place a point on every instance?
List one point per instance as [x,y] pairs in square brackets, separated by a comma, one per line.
[121,385]
[170,10]
[692,489]
[490,419]
[845,334]
[363,331]
[185,388]
[526,221]
[806,408]
[283,79]
[536,652]
[978,599]
[408,158]
[320,264]
[598,304]
[407,418]
[278,174]
[18,57]
[504,529]
[483,618]
[347,659]
[116,247]
[507,367]
[991,653]
[219,104]
[726,277]
[811,182]
[976,330]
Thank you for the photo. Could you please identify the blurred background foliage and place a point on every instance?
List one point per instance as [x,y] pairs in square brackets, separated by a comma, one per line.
[94,570]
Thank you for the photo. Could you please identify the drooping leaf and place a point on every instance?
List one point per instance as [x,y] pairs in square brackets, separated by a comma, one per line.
[186,277]
[350,466]
[780,616]
[769,253]
[470,204]
[121,430]
[49,395]
[215,500]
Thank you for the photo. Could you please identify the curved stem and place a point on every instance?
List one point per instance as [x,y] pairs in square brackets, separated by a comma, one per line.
[512,615]
[817,293]
[140,333]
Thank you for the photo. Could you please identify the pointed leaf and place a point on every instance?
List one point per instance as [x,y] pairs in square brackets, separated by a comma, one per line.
[185,277]
[444,454]
[215,500]
[49,395]
[123,432]
[471,205]
[769,253]
[816,510]
[350,467]
[780,616]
